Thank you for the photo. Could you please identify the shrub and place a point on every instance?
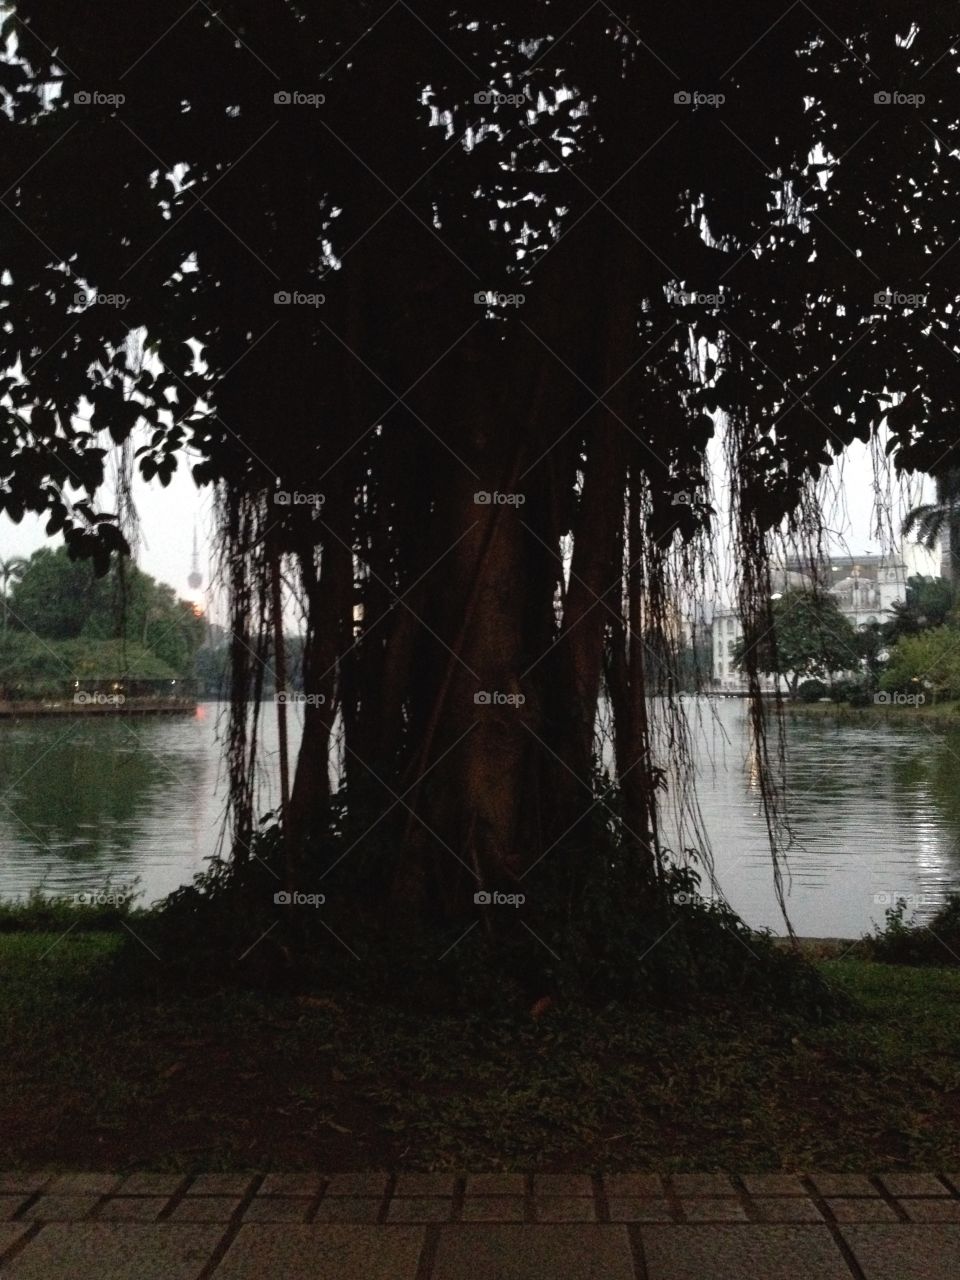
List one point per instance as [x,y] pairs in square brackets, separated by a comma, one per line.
[812,691]
[935,942]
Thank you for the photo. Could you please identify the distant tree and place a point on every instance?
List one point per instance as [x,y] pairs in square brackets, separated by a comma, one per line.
[810,639]
[10,571]
[927,663]
[939,521]
[58,598]
[927,604]
[872,646]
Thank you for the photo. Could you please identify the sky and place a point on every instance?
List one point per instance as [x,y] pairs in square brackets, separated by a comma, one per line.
[168,518]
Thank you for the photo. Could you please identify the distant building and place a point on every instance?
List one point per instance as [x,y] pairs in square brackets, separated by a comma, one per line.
[865,587]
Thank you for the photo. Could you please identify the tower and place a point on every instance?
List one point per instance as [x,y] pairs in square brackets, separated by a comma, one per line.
[195,577]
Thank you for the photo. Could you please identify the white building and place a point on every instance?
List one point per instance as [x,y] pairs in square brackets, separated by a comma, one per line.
[865,587]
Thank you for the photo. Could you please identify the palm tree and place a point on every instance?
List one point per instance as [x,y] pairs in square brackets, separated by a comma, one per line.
[940,521]
[11,570]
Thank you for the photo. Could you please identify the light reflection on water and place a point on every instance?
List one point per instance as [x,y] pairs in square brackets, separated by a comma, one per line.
[875,809]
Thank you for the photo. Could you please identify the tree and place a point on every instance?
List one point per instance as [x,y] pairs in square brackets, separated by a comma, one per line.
[10,571]
[927,664]
[928,603]
[939,521]
[59,598]
[809,639]
[450,329]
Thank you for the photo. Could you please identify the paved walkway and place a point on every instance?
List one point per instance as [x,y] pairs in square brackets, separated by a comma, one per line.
[485,1227]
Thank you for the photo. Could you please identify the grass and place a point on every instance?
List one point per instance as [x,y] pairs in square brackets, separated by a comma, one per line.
[945,710]
[91,1077]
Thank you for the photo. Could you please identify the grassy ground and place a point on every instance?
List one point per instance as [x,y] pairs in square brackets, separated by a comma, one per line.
[947,712]
[92,1079]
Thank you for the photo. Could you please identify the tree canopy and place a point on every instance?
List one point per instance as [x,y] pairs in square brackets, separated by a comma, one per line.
[449,305]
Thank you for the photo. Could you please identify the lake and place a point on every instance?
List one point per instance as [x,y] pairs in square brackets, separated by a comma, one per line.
[875,809]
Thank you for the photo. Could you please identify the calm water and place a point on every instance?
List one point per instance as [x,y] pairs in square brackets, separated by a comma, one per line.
[874,810]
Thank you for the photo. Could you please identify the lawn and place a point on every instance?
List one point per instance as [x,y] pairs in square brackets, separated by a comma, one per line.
[91,1078]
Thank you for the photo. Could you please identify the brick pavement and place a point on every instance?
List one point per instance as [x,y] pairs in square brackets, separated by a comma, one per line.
[505,1226]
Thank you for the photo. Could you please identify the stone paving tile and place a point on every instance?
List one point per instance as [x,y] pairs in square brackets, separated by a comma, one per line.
[913,1184]
[290,1184]
[331,1251]
[774,1184]
[562,1184]
[114,1251]
[843,1184]
[715,1210]
[424,1184]
[638,1209]
[220,1184]
[61,1208]
[496,1184]
[206,1209]
[530,1252]
[703,1184]
[564,1209]
[357,1184]
[906,1251]
[150,1184]
[10,1232]
[132,1209]
[861,1211]
[493,1209]
[742,1253]
[277,1209]
[932,1210]
[25,1182]
[9,1206]
[349,1209]
[420,1209]
[83,1184]
[633,1184]
[787,1209]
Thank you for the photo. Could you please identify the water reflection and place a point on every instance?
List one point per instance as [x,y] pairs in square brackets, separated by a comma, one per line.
[874,808]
